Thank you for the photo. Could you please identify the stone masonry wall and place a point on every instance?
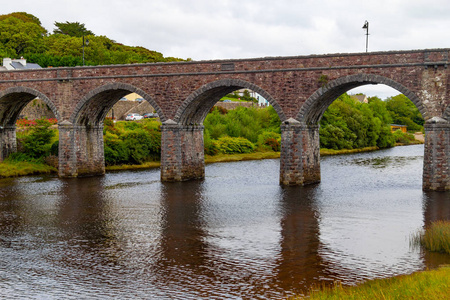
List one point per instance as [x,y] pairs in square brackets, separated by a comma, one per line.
[300,154]
[182,155]
[436,171]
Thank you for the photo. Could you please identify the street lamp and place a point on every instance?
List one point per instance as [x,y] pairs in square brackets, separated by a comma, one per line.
[84,43]
[366,27]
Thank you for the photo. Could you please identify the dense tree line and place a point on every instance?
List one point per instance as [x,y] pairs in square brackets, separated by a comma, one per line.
[350,124]
[22,35]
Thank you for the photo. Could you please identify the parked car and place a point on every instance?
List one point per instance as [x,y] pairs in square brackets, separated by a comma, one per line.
[150,115]
[133,117]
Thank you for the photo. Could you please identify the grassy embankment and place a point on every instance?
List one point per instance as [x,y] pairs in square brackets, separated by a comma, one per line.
[14,169]
[434,284]
[431,284]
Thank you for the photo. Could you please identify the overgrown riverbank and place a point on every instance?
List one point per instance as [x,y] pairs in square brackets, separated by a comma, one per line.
[429,285]
[348,126]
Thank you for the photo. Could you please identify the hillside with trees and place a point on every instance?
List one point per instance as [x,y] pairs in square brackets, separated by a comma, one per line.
[22,35]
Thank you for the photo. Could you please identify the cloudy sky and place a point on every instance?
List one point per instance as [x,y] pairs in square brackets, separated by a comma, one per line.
[221,29]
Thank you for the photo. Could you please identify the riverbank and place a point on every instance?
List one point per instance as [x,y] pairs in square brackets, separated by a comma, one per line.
[14,169]
[431,284]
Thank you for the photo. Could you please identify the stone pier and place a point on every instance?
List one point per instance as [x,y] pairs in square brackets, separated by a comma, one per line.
[81,150]
[436,164]
[182,155]
[300,153]
[7,141]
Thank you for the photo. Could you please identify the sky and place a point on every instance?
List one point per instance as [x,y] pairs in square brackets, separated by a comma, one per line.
[232,29]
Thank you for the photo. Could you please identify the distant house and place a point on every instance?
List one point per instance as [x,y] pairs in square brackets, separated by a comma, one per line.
[395,127]
[361,98]
[17,64]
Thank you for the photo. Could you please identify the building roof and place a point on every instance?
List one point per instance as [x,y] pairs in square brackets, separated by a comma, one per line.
[361,98]
[18,64]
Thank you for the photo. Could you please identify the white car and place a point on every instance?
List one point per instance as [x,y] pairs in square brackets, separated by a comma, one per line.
[133,117]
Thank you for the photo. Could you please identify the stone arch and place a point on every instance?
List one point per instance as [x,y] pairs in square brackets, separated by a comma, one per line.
[94,106]
[197,105]
[13,100]
[315,106]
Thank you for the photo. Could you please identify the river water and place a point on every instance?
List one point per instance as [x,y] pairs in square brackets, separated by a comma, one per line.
[235,235]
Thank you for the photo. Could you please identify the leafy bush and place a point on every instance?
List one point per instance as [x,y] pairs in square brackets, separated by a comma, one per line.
[270,139]
[132,142]
[37,143]
[211,146]
[403,137]
[231,145]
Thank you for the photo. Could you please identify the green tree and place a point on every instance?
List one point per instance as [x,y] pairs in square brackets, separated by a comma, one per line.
[404,112]
[19,37]
[348,124]
[74,29]
[37,143]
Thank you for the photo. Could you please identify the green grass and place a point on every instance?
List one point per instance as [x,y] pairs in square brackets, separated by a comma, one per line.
[14,169]
[430,285]
[325,152]
[146,165]
[241,156]
[435,238]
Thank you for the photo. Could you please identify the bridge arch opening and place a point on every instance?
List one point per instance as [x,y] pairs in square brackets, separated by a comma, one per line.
[82,143]
[13,102]
[315,106]
[184,138]
[195,108]
[313,111]
[98,104]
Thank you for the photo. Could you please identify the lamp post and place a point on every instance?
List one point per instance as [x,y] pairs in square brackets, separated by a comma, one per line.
[366,27]
[84,43]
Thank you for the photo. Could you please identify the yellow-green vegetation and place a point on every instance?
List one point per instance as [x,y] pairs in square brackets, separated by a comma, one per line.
[435,237]
[146,165]
[22,168]
[241,156]
[429,285]
[325,152]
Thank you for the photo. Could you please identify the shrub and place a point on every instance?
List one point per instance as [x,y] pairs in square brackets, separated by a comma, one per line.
[37,143]
[211,146]
[231,145]
[54,149]
[403,137]
[270,139]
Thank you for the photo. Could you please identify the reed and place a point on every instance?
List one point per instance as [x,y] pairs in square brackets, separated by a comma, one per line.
[434,238]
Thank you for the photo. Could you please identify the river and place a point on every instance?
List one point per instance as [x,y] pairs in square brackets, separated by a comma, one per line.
[237,234]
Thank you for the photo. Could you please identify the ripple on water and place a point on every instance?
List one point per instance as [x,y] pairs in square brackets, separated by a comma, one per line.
[235,235]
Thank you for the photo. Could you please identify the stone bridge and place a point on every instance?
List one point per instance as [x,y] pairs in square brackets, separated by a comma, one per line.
[299,88]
